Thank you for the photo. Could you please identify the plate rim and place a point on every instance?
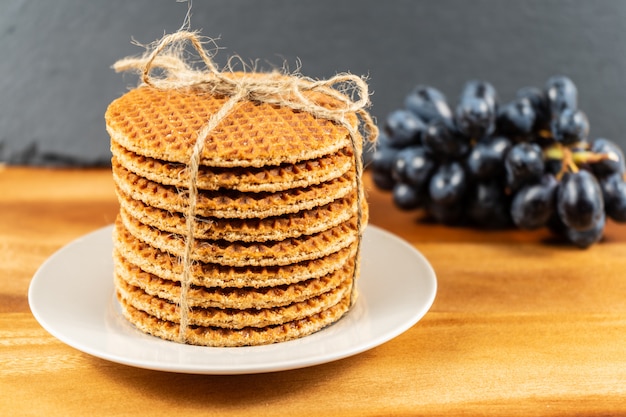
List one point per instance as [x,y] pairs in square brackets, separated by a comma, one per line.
[429,278]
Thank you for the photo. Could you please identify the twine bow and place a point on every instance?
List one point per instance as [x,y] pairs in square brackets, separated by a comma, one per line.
[271,88]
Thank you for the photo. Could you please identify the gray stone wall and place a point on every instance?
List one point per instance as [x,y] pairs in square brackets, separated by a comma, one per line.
[55,56]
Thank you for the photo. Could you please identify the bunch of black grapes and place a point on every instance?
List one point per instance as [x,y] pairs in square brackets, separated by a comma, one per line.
[528,163]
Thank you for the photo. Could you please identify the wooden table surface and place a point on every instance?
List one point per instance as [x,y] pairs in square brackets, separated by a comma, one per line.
[522,325]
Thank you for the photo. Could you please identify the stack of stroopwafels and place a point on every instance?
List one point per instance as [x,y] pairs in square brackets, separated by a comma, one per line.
[277,219]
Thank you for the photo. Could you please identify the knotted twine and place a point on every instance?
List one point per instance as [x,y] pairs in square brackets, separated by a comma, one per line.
[273,88]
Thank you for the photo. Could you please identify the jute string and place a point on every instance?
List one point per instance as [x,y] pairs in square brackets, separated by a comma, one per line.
[274,88]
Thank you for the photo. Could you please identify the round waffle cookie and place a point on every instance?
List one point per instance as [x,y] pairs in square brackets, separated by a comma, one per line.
[269,252]
[169,267]
[164,125]
[225,337]
[231,297]
[271,178]
[230,318]
[227,203]
[311,221]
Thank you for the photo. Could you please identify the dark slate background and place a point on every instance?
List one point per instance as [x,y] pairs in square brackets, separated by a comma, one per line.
[55,56]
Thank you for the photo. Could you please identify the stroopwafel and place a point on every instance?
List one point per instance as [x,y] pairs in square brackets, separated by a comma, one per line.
[240,217]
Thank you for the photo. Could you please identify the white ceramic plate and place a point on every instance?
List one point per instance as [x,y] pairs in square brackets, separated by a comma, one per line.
[71,295]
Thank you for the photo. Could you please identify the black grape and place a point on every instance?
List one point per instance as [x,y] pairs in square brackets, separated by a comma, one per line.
[517,118]
[486,159]
[482,90]
[404,128]
[448,184]
[414,166]
[443,141]
[382,164]
[614,194]
[476,112]
[488,205]
[539,103]
[405,196]
[579,200]
[585,238]
[428,104]
[474,118]
[570,126]
[384,158]
[534,204]
[562,94]
[615,161]
[524,164]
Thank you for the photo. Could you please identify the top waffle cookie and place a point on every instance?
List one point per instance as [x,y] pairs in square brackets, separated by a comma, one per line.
[252,135]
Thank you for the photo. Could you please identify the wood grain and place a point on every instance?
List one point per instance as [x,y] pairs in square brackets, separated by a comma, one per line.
[522,325]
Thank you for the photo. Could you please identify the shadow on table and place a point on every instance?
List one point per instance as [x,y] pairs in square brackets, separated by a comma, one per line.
[221,391]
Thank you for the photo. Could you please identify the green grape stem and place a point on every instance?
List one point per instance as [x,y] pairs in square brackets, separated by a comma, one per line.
[573,159]
[587,157]
[561,153]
